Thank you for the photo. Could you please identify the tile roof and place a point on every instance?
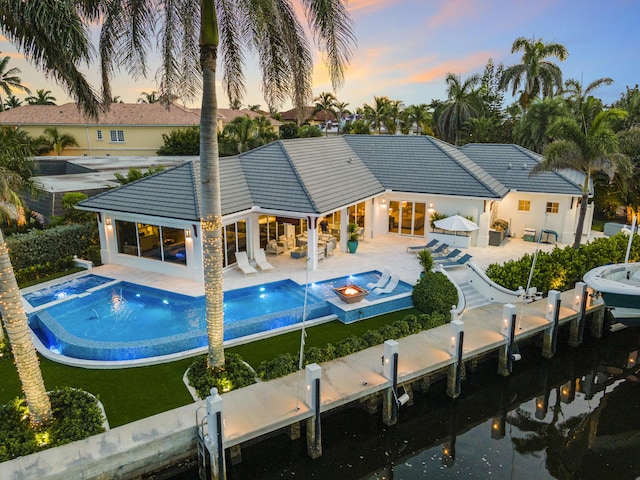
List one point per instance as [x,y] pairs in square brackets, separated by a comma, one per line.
[320,175]
[138,114]
[512,164]
[423,164]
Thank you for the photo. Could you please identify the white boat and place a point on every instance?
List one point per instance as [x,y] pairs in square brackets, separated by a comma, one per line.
[619,285]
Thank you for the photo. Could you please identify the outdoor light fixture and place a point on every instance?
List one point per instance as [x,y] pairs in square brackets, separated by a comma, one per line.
[431,208]
[187,233]
[107,220]
[383,201]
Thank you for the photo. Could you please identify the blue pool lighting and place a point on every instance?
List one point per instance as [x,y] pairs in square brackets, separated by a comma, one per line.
[126,321]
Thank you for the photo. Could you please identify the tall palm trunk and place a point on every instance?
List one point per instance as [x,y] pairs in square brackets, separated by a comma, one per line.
[581,216]
[210,204]
[24,353]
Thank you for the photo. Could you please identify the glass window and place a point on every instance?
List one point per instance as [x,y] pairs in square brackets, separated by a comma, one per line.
[173,249]
[126,238]
[117,136]
[553,207]
[524,205]
[99,134]
[149,238]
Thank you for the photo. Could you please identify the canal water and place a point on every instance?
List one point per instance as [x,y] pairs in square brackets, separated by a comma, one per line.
[576,416]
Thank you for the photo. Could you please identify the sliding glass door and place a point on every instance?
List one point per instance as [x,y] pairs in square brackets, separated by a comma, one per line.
[407,218]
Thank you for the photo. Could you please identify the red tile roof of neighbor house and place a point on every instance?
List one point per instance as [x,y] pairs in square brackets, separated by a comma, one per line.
[118,114]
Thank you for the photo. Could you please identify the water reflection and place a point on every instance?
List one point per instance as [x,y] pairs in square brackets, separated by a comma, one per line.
[576,416]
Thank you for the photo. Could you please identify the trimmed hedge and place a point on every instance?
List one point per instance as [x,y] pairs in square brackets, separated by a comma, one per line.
[287,363]
[42,247]
[76,415]
[561,268]
[434,293]
[235,374]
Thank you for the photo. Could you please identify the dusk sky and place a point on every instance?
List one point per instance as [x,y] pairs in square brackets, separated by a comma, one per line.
[406,47]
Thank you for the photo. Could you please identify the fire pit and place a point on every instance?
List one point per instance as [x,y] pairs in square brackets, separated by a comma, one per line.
[351,293]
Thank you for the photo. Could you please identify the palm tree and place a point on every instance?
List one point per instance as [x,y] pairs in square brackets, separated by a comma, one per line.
[193,33]
[341,108]
[392,115]
[377,113]
[463,103]
[420,116]
[13,151]
[9,80]
[532,130]
[534,76]
[240,132]
[59,141]
[325,102]
[576,94]
[151,97]
[587,150]
[42,97]
[12,102]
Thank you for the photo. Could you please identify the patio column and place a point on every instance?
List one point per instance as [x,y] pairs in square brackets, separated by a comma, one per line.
[312,243]
[344,221]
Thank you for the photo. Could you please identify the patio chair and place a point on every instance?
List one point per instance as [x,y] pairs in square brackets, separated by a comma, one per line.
[274,248]
[243,263]
[449,257]
[456,263]
[439,248]
[391,286]
[417,248]
[382,281]
[261,260]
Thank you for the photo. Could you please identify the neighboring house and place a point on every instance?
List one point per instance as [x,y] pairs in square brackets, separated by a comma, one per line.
[126,129]
[56,176]
[386,184]
[310,115]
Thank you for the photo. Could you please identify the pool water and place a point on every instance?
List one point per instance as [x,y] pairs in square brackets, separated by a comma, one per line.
[124,321]
[65,289]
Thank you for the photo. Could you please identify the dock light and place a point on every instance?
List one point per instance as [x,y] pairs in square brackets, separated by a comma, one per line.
[508,312]
[632,359]
[455,328]
[578,300]
[498,427]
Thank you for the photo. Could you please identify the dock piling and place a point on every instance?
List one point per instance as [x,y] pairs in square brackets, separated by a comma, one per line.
[550,339]
[214,439]
[390,372]
[505,356]
[579,304]
[314,437]
[454,373]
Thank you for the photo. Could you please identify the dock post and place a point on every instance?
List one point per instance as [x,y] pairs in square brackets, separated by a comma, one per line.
[579,304]
[505,356]
[454,373]
[314,438]
[550,339]
[214,439]
[390,372]
[597,318]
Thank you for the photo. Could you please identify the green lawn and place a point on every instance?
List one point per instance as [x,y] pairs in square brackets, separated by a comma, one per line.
[129,394]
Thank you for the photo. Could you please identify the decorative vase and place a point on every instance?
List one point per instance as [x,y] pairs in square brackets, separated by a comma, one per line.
[352,246]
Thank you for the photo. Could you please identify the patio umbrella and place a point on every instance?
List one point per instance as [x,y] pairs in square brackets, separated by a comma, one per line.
[456,223]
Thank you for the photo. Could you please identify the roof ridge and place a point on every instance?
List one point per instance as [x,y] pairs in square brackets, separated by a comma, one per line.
[301,182]
[496,186]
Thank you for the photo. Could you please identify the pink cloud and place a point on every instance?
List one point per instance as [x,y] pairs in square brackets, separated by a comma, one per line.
[369,6]
[473,63]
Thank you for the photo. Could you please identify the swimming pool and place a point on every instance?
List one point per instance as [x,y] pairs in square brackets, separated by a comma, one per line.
[126,321]
[65,289]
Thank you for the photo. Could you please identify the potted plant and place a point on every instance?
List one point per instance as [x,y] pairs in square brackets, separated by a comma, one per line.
[426,261]
[352,242]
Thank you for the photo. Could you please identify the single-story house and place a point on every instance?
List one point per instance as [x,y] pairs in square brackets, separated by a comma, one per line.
[387,184]
[126,129]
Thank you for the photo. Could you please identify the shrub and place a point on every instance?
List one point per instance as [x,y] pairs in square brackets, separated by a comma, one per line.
[348,346]
[426,260]
[280,366]
[76,415]
[42,270]
[235,374]
[39,247]
[434,293]
[181,142]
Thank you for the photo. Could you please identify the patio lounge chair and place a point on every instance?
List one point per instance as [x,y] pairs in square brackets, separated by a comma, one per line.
[456,263]
[391,286]
[382,281]
[439,248]
[243,263]
[261,260]
[449,257]
[417,248]
[273,247]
